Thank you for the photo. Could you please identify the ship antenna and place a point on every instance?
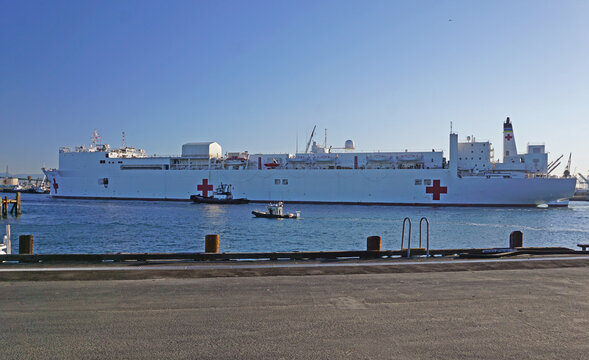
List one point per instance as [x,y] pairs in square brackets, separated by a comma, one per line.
[297,147]
[123,141]
[325,145]
[95,137]
[450,127]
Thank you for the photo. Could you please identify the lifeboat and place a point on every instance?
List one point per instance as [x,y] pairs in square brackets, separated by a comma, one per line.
[272,165]
[325,159]
[298,159]
[379,158]
[235,160]
[409,157]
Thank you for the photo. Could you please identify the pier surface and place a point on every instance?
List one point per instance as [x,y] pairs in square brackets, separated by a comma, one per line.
[471,309]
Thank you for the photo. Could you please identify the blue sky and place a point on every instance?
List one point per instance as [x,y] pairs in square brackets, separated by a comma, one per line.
[250,75]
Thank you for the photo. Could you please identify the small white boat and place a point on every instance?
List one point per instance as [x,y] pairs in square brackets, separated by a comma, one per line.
[275,211]
[5,244]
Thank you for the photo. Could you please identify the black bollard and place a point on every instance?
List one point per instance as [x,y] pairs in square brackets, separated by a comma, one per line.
[25,244]
[373,243]
[212,243]
[516,239]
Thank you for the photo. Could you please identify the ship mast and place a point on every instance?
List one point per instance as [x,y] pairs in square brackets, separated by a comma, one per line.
[95,138]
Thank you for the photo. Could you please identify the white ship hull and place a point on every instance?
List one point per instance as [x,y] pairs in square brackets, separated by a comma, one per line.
[469,178]
[386,187]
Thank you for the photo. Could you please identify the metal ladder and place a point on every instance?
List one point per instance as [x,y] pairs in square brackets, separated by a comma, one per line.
[405,220]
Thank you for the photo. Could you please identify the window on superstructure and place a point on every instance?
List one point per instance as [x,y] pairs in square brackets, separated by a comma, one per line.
[102,161]
[417,181]
[284,181]
[427,182]
[276,181]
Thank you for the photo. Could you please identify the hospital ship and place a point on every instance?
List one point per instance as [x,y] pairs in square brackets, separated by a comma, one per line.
[467,177]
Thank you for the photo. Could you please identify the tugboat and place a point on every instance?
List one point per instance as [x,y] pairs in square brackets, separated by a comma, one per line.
[275,212]
[222,195]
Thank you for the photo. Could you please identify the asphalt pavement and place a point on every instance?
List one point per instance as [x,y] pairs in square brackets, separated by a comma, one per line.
[540,313]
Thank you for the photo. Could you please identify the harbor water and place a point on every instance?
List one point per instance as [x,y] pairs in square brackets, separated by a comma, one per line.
[110,226]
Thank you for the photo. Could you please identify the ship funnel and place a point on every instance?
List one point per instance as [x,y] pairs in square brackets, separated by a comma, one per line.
[509,148]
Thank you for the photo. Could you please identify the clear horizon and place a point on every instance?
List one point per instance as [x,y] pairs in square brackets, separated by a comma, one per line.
[255,75]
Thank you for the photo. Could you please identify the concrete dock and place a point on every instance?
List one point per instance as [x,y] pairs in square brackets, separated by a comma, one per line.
[434,309]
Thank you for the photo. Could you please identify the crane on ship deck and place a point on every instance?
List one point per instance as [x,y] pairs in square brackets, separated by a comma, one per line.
[585,181]
[553,165]
[567,169]
[310,138]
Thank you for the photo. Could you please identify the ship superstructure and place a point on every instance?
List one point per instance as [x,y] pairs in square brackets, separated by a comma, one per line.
[322,175]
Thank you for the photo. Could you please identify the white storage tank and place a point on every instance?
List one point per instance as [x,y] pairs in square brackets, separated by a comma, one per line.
[208,150]
[9,181]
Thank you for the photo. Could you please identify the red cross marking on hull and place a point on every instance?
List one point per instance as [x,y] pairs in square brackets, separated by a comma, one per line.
[55,186]
[205,187]
[436,190]
[508,137]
